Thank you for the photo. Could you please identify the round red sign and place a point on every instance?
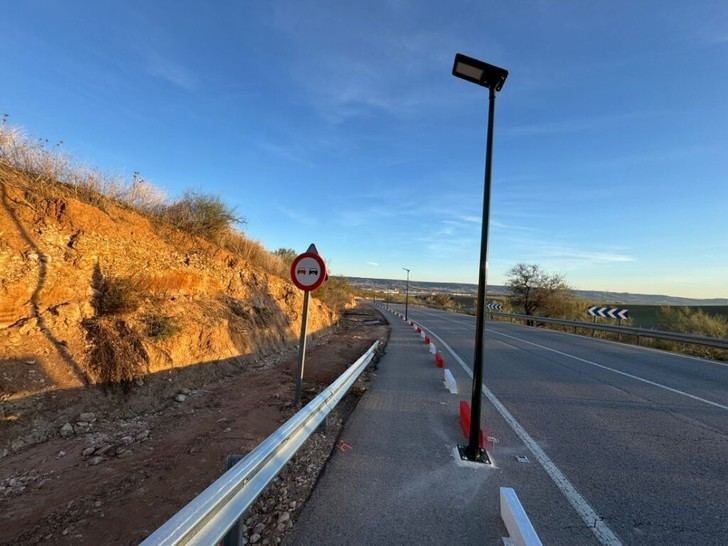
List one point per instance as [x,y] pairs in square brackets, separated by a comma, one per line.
[308,271]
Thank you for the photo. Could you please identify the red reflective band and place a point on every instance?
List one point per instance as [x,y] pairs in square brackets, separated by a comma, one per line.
[465,423]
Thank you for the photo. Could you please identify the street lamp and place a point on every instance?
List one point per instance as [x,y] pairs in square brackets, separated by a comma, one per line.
[493,78]
[406,296]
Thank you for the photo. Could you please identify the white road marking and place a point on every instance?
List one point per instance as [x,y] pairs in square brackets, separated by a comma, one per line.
[600,529]
[469,322]
[631,376]
[626,374]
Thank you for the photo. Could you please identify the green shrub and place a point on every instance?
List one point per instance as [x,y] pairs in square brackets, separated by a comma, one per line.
[336,292]
[160,326]
[692,321]
[201,215]
[118,295]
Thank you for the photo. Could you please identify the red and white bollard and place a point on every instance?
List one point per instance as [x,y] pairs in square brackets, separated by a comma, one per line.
[439,361]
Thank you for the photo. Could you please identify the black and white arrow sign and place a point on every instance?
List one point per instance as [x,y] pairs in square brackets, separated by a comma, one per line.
[494,307]
[607,312]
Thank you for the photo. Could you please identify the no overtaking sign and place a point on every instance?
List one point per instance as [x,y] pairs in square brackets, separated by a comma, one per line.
[308,271]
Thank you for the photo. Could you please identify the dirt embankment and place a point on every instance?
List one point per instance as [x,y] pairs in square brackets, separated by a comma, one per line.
[117,471]
[93,294]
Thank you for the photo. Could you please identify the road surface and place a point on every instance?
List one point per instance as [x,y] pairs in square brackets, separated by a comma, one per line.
[635,437]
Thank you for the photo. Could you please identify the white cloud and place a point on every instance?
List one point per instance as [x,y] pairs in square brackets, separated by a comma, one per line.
[172,72]
[299,217]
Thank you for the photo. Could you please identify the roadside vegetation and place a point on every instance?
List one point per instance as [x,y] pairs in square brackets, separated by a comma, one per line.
[52,173]
[128,315]
[538,293]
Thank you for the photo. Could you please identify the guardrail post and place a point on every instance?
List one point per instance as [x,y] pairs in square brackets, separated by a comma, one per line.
[233,536]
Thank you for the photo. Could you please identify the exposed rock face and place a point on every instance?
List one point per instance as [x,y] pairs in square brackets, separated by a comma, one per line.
[56,255]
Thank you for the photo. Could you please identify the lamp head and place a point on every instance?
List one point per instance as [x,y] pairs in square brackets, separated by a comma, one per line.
[478,72]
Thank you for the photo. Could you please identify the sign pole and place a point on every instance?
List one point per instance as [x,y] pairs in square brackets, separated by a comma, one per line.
[301,350]
[308,272]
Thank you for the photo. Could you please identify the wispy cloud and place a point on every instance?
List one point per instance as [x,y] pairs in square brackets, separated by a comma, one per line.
[373,264]
[300,217]
[578,125]
[346,72]
[172,72]
[581,255]
[290,152]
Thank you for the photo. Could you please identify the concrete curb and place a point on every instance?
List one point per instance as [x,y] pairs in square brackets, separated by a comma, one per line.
[520,530]
[450,383]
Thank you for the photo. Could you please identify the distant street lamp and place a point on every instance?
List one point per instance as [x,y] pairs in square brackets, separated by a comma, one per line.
[406,296]
[493,78]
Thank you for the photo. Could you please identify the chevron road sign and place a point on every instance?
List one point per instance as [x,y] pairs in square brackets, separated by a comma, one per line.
[608,312]
[494,307]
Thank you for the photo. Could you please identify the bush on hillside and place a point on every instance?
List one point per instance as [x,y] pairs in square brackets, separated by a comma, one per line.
[160,326]
[286,255]
[201,215]
[692,321]
[117,355]
[336,292]
[118,295]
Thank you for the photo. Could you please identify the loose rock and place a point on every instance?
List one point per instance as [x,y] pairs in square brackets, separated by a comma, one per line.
[66,430]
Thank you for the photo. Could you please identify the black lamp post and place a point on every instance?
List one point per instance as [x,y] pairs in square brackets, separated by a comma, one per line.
[493,78]
[406,295]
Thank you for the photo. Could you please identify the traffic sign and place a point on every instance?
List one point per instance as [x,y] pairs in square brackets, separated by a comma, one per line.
[308,271]
[608,312]
[494,307]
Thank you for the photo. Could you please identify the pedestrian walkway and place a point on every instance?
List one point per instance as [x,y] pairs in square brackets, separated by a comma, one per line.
[394,478]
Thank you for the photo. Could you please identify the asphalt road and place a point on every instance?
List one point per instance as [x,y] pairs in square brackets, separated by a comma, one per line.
[635,436]
[395,479]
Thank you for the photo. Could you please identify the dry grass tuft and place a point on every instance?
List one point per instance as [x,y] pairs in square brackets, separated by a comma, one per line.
[117,356]
[118,295]
[160,326]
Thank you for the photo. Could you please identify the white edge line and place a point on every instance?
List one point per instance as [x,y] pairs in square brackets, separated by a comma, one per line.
[631,376]
[621,344]
[600,529]
[626,374]
[520,528]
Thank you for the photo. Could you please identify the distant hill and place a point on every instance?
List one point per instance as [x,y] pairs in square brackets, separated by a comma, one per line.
[422,287]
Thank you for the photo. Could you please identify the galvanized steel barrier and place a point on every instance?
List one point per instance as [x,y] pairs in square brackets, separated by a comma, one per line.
[628,330]
[207,518]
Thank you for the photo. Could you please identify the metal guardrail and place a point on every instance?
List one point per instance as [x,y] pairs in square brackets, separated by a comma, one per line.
[208,517]
[628,330]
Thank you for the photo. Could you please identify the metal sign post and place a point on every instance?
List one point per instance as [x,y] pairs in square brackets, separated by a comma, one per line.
[301,350]
[308,272]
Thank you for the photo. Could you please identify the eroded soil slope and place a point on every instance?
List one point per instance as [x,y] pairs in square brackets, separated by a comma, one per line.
[92,292]
[117,471]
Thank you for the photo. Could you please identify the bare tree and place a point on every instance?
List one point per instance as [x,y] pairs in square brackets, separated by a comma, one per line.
[534,290]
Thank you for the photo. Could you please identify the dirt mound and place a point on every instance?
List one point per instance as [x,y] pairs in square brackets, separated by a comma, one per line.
[98,293]
[115,470]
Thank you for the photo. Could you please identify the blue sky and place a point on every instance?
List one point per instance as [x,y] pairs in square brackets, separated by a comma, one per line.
[339,123]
